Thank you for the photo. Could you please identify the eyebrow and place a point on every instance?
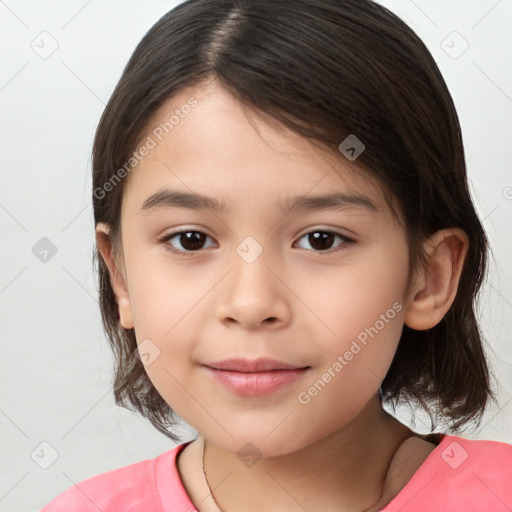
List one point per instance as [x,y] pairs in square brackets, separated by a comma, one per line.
[166,198]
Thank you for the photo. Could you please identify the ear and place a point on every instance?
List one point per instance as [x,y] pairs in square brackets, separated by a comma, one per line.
[435,286]
[117,277]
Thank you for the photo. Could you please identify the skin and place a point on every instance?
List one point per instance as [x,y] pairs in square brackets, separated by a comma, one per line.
[294,302]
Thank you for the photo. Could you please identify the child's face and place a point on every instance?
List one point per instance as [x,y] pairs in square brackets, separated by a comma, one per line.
[335,307]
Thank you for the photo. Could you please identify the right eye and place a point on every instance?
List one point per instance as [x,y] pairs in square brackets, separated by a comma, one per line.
[191,241]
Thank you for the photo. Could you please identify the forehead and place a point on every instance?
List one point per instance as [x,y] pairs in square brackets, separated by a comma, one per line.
[204,142]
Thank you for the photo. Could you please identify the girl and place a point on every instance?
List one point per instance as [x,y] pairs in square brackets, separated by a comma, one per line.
[286,243]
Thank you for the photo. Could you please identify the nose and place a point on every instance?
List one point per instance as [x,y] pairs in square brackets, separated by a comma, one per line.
[254,295]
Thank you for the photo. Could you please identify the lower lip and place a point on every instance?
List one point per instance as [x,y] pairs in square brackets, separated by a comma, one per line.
[256,383]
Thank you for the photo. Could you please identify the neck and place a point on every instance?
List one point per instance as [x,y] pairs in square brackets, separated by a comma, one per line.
[344,471]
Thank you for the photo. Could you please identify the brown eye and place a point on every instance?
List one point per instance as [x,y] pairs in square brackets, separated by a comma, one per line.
[190,241]
[322,241]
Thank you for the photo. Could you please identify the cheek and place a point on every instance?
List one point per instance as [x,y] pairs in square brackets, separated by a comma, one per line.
[169,306]
[164,297]
[357,297]
[362,316]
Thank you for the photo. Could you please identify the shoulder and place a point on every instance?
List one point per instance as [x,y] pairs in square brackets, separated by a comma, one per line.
[130,488]
[477,459]
[477,449]
[459,475]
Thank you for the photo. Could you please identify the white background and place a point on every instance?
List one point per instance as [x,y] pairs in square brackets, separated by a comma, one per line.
[56,366]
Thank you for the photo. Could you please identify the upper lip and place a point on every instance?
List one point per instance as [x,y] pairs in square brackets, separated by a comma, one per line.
[248,366]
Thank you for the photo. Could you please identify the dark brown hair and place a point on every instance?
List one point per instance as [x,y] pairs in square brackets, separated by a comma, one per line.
[326,69]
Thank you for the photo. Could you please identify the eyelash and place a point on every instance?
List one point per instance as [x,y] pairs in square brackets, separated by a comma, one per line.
[168,247]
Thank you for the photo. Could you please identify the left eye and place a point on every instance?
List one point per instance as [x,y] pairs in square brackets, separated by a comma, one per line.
[193,241]
[320,240]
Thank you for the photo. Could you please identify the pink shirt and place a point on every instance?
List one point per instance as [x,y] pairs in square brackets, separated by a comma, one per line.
[459,475]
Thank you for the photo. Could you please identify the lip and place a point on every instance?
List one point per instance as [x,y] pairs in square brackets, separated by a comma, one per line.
[254,378]
[247,366]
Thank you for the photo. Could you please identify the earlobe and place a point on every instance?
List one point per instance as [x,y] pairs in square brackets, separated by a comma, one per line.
[436,285]
[117,278]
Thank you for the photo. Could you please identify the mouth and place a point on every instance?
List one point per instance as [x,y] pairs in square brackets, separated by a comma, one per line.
[248,366]
[254,378]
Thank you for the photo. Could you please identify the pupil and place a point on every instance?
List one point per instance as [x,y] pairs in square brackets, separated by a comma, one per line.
[192,240]
[319,240]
